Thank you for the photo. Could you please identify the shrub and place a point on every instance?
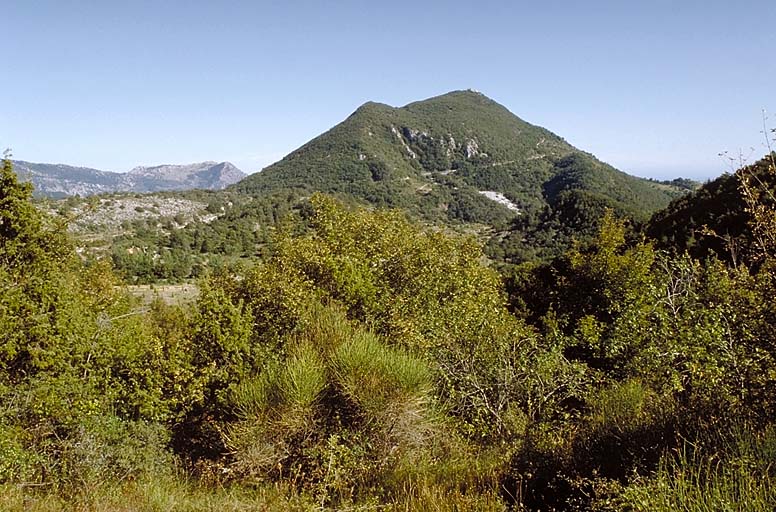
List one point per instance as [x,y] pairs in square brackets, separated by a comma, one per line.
[374,376]
[334,413]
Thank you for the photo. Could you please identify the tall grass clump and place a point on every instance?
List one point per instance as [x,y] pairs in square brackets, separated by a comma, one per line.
[304,377]
[375,376]
[737,472]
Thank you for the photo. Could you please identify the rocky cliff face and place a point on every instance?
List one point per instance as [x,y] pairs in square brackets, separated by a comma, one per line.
[58,180]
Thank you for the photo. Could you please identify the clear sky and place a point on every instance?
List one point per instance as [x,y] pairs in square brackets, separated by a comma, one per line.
[655,87]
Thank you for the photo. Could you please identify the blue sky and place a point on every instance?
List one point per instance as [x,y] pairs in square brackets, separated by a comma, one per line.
[656,88]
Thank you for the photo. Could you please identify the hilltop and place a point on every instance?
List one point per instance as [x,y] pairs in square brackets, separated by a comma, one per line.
[463,157]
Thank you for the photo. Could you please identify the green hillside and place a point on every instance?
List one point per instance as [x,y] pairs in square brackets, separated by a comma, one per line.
[378,145]
[459,160]
[434,158]
[716,219]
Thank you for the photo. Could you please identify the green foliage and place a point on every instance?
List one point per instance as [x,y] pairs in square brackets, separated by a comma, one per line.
[303,378]
[337,415]
[223,353]
[684,327]
[433,157]
[593,293]
[18,463]
[84,378]
[24,240]
[626,429]
[356,330]
[671,345]
[374,376]
[390,275]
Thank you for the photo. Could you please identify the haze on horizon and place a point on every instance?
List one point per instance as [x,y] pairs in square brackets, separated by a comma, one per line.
[656,90]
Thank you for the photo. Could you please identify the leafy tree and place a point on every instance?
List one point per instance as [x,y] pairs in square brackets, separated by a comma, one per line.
[79,366]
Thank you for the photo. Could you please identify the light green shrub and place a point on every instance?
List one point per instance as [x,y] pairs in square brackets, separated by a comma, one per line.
[375,375]
[303,379]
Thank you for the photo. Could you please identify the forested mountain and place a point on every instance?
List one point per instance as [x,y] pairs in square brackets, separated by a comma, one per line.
[459,160]
[58,180]
[462,157]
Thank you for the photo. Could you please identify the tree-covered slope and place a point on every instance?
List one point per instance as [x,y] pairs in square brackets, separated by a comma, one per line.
[436,158]
[459,159]
[716,218]
[379,144]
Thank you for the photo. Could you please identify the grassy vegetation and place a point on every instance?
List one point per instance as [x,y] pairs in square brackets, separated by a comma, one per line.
[738,475]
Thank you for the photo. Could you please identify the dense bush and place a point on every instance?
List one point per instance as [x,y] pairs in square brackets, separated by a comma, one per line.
[85,380]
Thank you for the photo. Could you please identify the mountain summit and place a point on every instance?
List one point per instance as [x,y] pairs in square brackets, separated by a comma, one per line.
[462,133]
[462,156]
[205,175]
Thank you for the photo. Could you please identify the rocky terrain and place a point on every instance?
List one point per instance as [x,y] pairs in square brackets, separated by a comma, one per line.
[204,175]
[109,214]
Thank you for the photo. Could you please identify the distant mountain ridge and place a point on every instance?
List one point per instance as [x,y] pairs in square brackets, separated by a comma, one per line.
[58,180]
